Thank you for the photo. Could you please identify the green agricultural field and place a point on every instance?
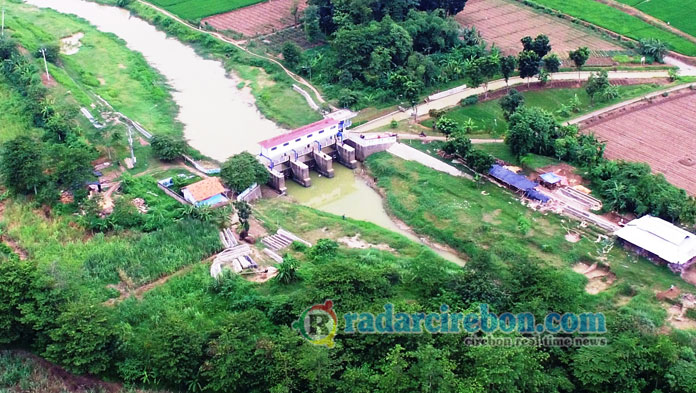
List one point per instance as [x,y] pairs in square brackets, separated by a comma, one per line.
[613,19]
[489,119]
[197,9]
[678,13]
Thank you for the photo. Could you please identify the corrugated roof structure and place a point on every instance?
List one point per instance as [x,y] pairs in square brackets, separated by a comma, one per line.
[205,189]
[300,132]
[551,178]
[537,195]
[512,179]
[660,238]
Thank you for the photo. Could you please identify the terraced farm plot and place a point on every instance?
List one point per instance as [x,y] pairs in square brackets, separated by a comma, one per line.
[662,135]
[679,13]
[196,9]
[505,23]
[262,18]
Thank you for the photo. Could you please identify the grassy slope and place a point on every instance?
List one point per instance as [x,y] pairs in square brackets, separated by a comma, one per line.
[196,9]
[489,117]
[678,13]
[14,120]
[613,19]
[103,65]
[453,211]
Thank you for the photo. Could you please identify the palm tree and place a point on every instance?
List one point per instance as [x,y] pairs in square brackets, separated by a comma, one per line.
[469,125]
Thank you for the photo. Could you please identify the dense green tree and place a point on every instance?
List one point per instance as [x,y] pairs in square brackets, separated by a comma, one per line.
[168,148]
[22,165]
[528,63]
[310,22]
[292,54]
[579,57]
[508,65]
[170,354]
[431,31]
[447,126]
[71,164]
[511,102]
[83,340]
[539,45]
[473,72]
[532,130]
[489,67]
[552,63]
[653,48]
[16,278]
[458,144]
[596,84]
[52,51]
[242,170]
[8,47]
[479,160]
[452,7]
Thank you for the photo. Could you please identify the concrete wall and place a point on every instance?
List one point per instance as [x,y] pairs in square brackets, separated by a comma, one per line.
[277,181]
[172,194]
[300,173]
[366,147]
[346,155]
[323,163]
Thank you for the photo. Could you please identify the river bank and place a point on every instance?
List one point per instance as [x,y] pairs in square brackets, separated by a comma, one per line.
[354,194]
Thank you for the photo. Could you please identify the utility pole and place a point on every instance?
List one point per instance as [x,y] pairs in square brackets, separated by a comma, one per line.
[43,52]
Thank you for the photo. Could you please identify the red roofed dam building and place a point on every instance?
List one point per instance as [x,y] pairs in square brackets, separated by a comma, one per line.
[315,146]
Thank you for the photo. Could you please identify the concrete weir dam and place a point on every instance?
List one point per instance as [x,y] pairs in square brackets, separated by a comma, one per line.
[316,146]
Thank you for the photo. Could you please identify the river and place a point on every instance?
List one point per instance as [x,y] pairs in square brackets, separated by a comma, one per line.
[219,119]
[348,194]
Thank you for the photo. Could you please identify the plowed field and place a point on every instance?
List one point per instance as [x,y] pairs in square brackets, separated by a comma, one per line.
[262,18]
[662,135]
[504,23]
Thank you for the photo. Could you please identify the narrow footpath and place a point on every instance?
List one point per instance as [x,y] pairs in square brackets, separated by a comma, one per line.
[408,153]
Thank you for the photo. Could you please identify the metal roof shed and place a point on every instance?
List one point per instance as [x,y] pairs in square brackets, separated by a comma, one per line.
[512,179]
[657,236]
[550,178]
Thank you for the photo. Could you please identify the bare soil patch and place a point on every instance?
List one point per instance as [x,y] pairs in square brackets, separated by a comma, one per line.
[356,242]
[505,23]
[261,18]
[676,313]
[51,378]
[600,277]
[690,275]
[70,45]
[661,133]
[491,218]
[572,237]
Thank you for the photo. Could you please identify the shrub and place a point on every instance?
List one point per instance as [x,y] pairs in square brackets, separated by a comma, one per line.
[471,100]
[167,148]
[292,54]
[325,248]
